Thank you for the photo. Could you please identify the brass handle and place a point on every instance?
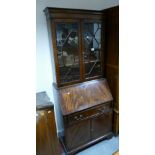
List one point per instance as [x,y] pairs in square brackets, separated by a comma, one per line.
[78,118]
[81,116]
[101,110]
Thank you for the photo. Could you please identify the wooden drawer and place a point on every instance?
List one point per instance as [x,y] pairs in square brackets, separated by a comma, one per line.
[89,113]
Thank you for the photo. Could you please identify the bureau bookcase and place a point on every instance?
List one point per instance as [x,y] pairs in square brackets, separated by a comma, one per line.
[77,51]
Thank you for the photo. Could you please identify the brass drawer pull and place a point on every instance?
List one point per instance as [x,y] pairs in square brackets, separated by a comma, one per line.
[101,110]
[78,118]
[97,112]
[81,116]
[95,115]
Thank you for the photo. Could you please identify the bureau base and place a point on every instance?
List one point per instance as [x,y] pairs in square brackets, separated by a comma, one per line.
[80,148]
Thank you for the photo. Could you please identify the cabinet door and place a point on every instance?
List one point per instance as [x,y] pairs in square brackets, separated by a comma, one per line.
[67,51]
[92,49]
[101,125]
[46,136]
[77,134]
[42,144]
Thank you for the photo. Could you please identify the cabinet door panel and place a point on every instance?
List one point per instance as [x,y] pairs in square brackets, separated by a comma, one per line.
[67,44]
[42,139]
[92,49]
[101,125]
[46,136]
[77,134]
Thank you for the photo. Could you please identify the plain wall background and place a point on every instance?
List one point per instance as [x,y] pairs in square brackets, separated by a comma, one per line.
[45,72]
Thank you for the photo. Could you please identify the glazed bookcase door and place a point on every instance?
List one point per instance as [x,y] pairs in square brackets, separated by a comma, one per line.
[92,49]
[68,51]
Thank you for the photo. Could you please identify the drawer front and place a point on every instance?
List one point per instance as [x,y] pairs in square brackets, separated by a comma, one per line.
[88,114]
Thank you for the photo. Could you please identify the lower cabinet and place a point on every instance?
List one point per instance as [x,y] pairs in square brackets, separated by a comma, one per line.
[87,112]
[77,134]
[87,127]
[101,125]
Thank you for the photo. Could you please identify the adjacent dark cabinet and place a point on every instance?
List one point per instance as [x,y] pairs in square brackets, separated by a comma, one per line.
[112,59]
[46,134]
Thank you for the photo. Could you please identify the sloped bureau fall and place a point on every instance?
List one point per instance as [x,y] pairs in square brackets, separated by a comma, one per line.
[87,114]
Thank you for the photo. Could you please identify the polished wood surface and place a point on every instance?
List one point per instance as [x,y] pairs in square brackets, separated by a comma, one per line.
[82,96]
[112,75]
[86,145]
[116,153]
[46,136]
[87,127]
[85,99]
[97,129]
[112,58]
[78,134]
[87,111]
[59,15]
[116,122]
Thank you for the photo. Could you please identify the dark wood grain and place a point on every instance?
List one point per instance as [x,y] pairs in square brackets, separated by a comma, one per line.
[77,134]
[61,13]
[112,74]
[116,122]
[86,145]
[87,111]
[97,129]
[46,136]
[112,58]
[86,107]
[54,15]
[82,96]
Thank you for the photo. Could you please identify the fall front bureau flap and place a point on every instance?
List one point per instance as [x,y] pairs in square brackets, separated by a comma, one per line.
[84,95]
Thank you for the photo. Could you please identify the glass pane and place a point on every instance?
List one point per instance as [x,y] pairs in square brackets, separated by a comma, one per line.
[92,49]
[68,51]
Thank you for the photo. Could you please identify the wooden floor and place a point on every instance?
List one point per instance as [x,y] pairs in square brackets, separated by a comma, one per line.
[116,153]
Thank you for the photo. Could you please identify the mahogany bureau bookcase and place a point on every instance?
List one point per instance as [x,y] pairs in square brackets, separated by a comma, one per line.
[77,51]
